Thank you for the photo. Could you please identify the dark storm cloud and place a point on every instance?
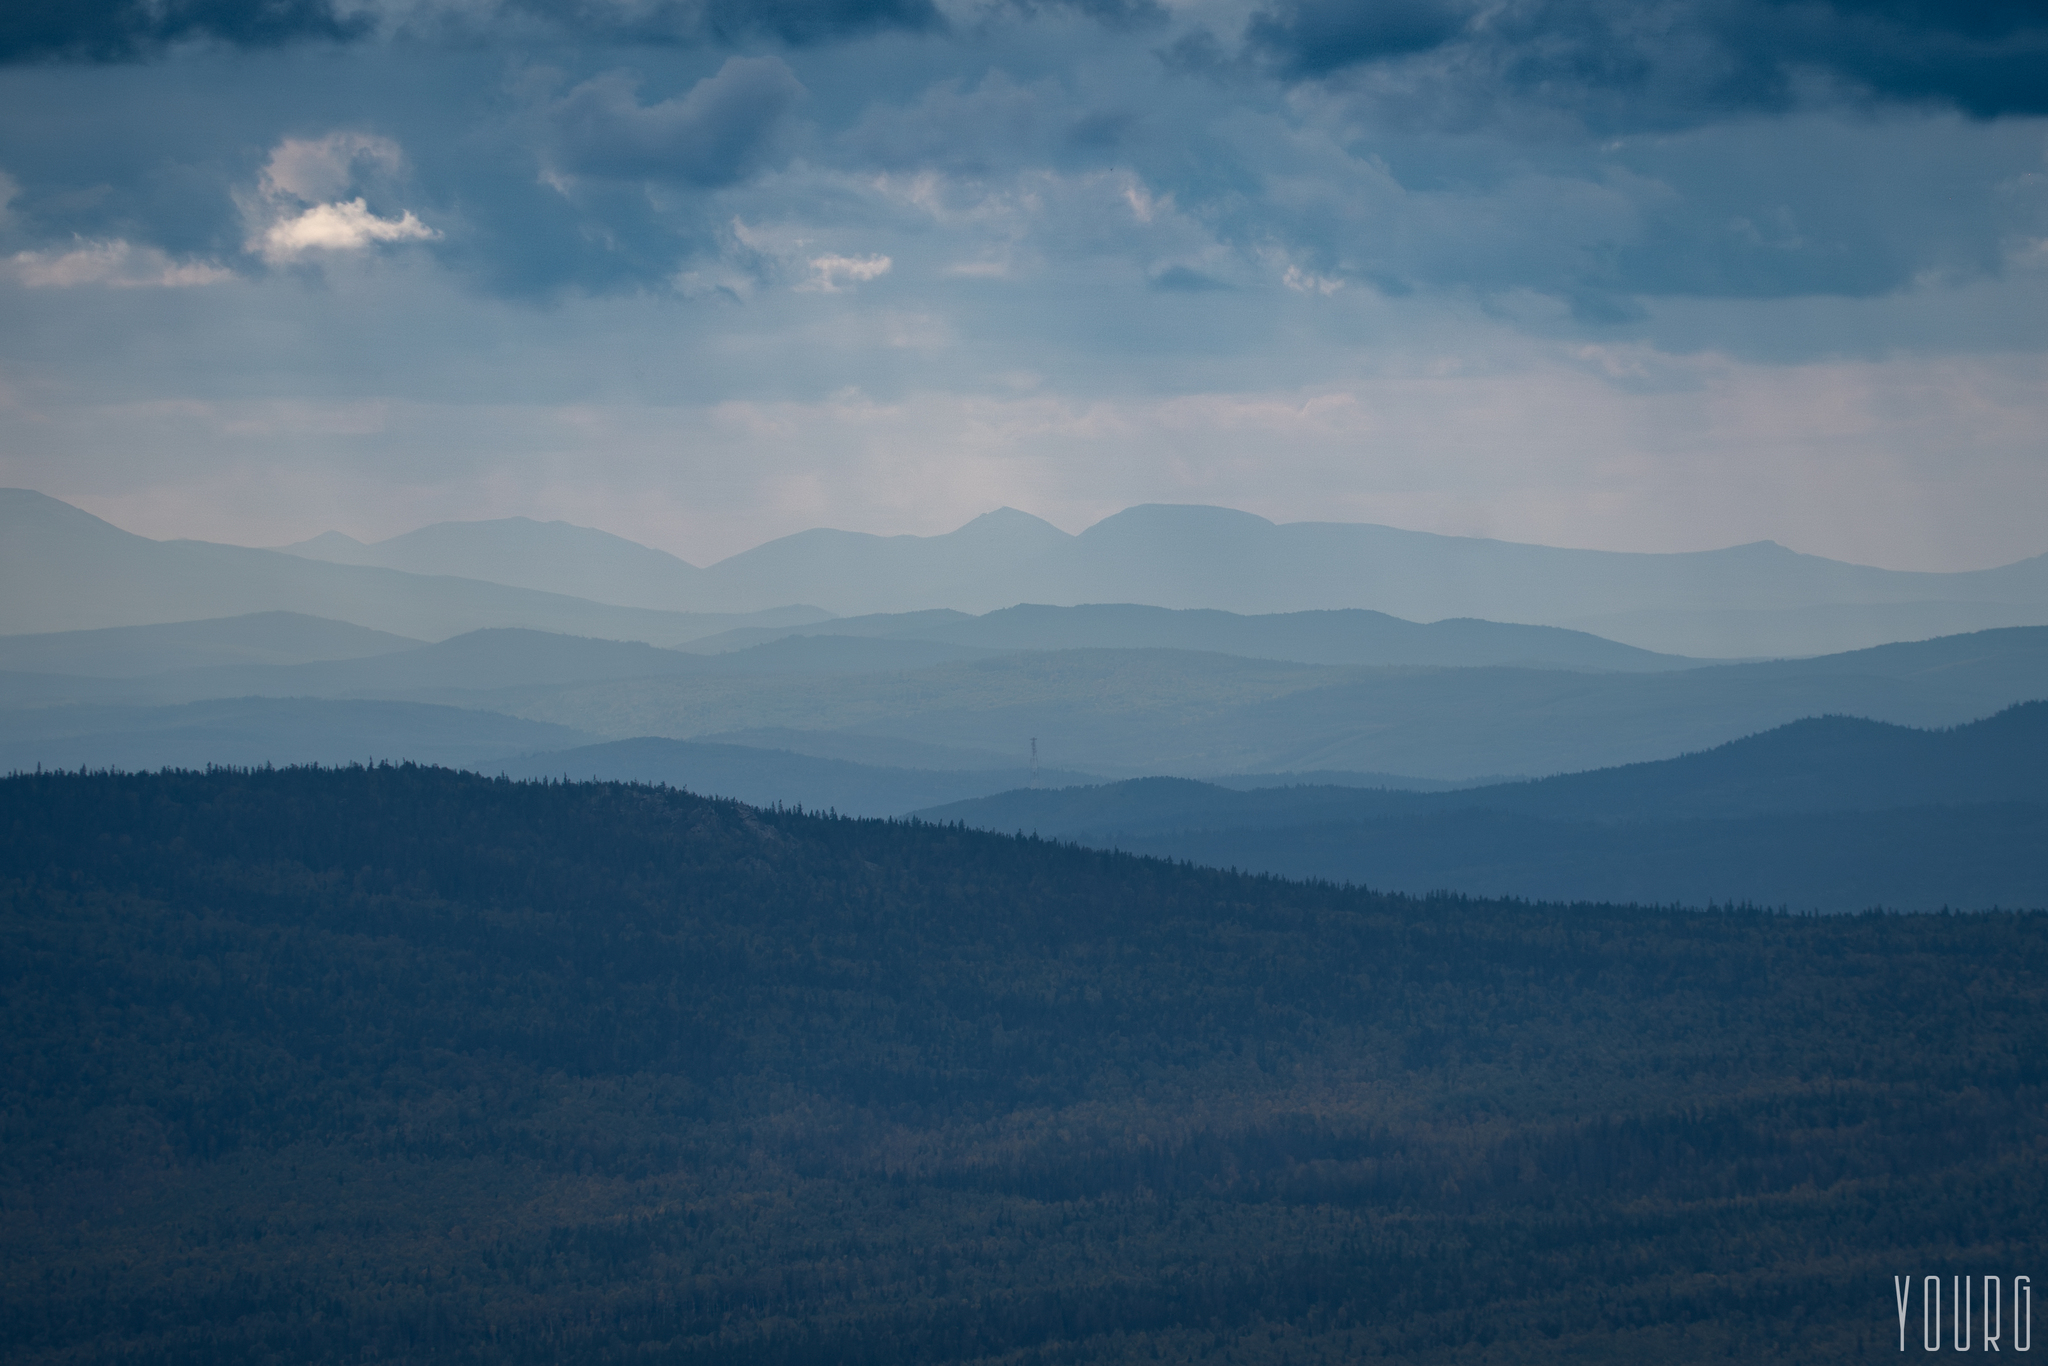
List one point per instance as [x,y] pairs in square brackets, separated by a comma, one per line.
[1316,37]
[1112,14]
[130,30]
[1620,63]
[798,23]
[1034,143]
[1987,57]
[712,136]
[124,30]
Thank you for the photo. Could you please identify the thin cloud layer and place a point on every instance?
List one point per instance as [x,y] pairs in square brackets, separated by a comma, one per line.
[116,264]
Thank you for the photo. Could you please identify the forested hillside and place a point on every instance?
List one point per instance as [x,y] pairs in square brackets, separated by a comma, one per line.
[406,1064]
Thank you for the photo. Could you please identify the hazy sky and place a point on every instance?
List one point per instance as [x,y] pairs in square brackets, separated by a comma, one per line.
[1637,274]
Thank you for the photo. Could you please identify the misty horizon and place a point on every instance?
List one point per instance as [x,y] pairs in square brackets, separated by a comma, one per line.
[371,540]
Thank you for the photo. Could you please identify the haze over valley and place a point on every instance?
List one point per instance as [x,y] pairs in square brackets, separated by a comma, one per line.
[971,677]
[68,570]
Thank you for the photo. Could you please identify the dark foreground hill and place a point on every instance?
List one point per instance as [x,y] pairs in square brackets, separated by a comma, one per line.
[410,1065]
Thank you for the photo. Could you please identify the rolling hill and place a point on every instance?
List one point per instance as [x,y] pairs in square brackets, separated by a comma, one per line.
[1829,813]
[471,666]
[1827,763]
[547,557]
[135,651]
[1337,637]
[1130,713]
[64,570]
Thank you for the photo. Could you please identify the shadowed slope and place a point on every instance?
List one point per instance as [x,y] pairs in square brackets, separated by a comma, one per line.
[493,1071]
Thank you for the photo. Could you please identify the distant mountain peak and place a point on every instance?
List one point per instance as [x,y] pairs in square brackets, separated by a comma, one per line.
[1007,515]
[1009,521]
[325,541]
[41,510]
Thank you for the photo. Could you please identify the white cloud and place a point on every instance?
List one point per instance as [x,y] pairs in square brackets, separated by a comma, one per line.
[116,263]
[300,202]
[830,273]
[340,227]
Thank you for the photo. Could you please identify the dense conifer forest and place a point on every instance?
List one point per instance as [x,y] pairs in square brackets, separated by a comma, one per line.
[402,1064]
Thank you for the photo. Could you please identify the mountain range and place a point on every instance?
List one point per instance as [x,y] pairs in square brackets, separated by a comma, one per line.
[290,654]
[63,569]
[1741,601]
[1323,740]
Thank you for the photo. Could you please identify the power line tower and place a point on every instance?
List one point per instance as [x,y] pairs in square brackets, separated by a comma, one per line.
[1034,761]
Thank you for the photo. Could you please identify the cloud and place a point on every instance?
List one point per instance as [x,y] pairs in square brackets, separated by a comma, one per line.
[346,226]
[712,136]
[298,206]
[117,264]
[799,23]
[310,170]
[1308,282]
[135,30]
[829,274]
[1122,15]
[1622,63]
[128,30]
[1316,37]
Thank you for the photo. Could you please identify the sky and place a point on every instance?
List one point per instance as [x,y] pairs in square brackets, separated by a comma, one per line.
[1627,274]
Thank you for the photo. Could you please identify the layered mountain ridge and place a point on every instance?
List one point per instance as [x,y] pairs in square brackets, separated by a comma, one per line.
[1744,600]
[65,569]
